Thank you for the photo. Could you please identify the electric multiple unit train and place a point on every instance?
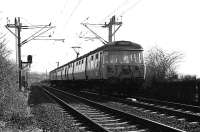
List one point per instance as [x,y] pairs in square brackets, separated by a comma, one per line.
[116,67]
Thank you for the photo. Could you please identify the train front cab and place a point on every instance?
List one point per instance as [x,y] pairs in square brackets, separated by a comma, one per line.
[124,70]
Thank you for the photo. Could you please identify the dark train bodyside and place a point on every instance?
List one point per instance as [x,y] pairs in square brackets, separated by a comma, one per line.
[115,67]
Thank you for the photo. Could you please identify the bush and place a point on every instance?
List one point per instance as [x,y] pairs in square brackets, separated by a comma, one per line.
[12,102]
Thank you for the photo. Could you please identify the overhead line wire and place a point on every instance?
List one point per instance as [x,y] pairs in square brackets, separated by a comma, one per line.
[65,4]
[72,13]
[110,14]
[132,6]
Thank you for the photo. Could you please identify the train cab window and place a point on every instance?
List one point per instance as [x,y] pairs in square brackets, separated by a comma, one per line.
[133,57]
[125,57]
[137,58]
[141,57]
[113,59]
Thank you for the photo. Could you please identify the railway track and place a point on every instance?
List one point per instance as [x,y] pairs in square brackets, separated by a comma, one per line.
[177,116]
[171,105]
[181,111]
[105,118]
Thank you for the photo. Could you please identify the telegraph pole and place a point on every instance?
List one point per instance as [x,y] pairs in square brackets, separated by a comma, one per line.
[18,26]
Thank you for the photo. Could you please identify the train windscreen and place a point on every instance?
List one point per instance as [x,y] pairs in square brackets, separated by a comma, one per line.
[123,57]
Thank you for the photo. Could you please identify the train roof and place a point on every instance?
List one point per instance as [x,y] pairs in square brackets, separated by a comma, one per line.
[117,45]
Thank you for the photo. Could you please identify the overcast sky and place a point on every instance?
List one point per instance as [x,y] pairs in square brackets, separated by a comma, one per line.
[169,24]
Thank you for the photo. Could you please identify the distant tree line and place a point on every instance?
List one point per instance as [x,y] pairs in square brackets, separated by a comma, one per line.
[36,77]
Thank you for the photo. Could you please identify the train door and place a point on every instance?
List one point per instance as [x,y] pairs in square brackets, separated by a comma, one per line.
[104,63]
[73,65]
[96,65]
[56,76]
[70,72]
[100,65]
[60,74]
[86,65]
[66,75]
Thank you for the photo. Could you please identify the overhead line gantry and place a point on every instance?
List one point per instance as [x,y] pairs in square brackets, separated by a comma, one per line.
[111,29]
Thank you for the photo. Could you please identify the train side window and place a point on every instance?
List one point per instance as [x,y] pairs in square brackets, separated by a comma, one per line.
[134,57]
[100,56]
[105,58]
[92,57]
[82,61]
[97,56]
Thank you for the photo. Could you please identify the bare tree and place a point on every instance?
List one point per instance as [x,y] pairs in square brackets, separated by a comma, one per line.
[4,52]
[7,75]
[161,64]
[3,67]
[12,102]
